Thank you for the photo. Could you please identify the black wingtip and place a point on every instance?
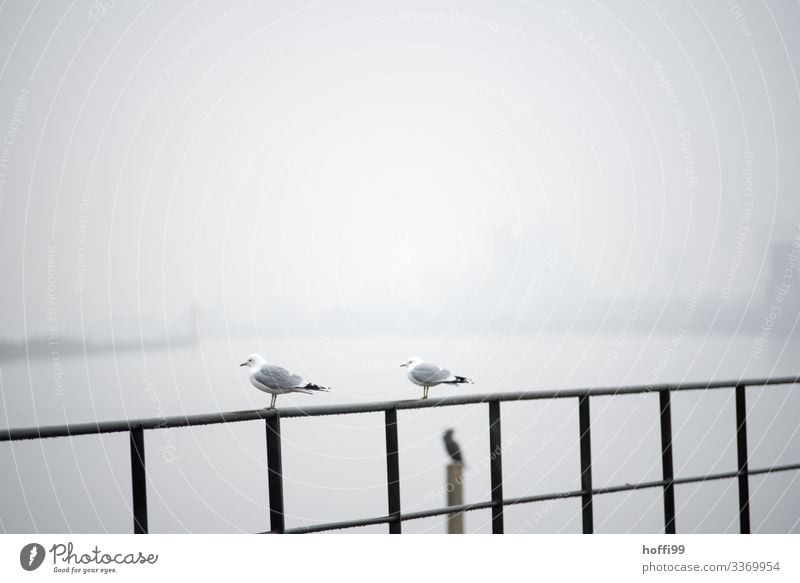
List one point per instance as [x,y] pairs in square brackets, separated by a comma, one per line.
[313,387]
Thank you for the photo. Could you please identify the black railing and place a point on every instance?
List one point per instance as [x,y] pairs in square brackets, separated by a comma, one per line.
[395,516]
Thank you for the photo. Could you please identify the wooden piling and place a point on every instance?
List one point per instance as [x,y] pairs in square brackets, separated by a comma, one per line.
[454,486]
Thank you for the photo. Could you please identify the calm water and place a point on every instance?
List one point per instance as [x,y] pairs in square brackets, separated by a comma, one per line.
[213,479]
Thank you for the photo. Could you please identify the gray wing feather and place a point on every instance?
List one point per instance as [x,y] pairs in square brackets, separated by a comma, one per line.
[277,377]
[425,372]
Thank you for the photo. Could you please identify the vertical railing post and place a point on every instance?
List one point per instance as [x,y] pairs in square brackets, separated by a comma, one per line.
[586,463]
[667,472]
[496,466]
[138,481]
[741,451]
[275,473]
[393,472]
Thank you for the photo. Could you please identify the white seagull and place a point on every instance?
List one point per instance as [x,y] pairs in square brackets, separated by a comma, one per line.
[276,380]
[427,375]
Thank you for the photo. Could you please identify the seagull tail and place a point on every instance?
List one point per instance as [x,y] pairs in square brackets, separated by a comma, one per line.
[312,387]
[460,380]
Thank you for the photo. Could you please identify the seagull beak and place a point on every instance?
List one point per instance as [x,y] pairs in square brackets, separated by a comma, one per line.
[404,364]
[243,364]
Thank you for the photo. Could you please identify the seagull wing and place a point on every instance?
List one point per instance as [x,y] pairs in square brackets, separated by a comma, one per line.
[277,377]
[426,373]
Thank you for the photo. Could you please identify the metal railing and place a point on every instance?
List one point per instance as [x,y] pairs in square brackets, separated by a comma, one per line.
[395,517]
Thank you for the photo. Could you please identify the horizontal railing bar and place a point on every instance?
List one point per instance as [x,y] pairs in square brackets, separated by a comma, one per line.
[529,499]
[734,474]
[336,525]
[372,407]
[449,510]
[652,484]
[773,469]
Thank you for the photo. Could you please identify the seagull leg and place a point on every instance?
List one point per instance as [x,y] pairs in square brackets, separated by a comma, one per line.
[272,405]
[425,393]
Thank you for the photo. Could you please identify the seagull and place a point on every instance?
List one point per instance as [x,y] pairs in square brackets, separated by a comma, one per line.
[453,449]
[427,375]
[276,380]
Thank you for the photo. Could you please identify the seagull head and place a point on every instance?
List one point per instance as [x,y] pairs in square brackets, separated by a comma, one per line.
[254,359]
[412,362]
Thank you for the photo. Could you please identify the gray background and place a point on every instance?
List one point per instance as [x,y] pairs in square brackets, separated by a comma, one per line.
[536,195]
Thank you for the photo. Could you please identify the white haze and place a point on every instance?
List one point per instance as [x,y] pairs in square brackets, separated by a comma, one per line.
[539,195]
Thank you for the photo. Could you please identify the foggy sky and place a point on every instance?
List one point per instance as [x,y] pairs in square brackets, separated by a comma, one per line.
[452,179]
[373,167]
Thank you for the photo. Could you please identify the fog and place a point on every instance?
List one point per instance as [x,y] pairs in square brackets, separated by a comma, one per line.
[538,196]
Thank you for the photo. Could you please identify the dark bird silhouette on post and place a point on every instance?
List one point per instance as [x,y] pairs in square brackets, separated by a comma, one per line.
[453,449]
